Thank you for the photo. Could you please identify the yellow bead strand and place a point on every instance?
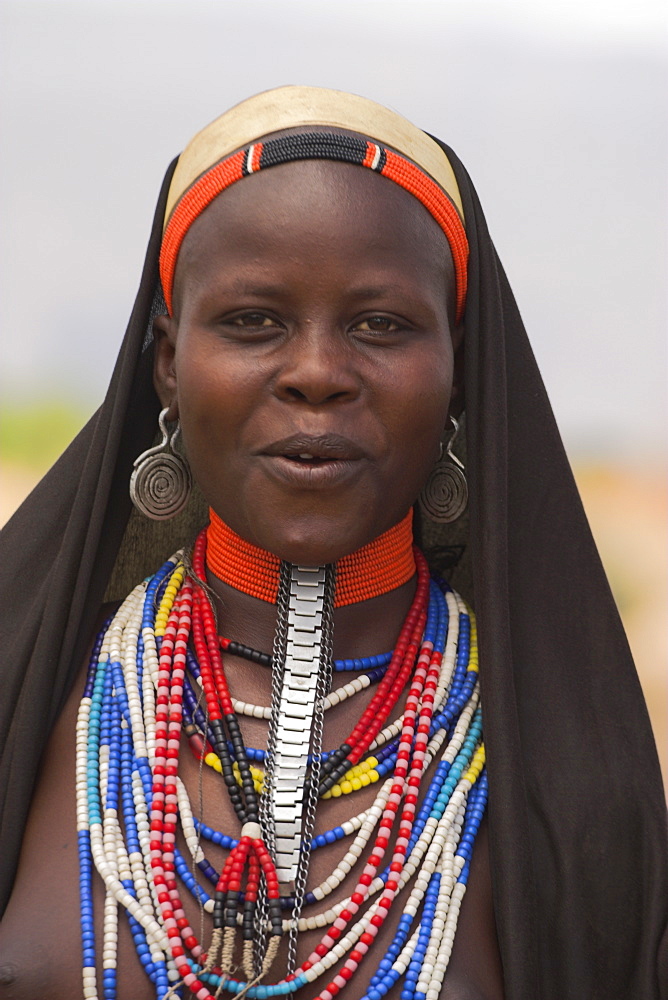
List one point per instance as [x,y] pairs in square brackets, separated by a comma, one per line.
[168,598]
[473,648]
[359,776]
[476,766]
[257,773]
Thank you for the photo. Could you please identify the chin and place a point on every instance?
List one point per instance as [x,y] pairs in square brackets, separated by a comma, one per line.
[313,549]
[313,540]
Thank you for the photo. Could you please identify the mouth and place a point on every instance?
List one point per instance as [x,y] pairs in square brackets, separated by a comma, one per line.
[314,449]
[313,461]
[308,461]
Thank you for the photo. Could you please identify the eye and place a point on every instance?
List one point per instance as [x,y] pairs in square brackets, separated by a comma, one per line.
[382,330]
[377,324]
[251,326]
[253,320]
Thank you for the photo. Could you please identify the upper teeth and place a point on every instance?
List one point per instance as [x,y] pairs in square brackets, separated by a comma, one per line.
[306,454]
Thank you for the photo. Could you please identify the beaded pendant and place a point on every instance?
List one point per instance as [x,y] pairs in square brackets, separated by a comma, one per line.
[156,670]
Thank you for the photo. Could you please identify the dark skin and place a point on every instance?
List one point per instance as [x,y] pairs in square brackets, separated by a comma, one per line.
[313,299]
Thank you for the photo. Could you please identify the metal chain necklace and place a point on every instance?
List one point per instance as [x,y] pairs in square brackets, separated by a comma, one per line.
[301,677]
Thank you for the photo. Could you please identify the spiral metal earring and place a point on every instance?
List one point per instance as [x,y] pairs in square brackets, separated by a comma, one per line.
[160,483]
[445,494]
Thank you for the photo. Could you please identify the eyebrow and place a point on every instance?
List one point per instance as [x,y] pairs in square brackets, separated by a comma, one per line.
[373,291]
[241,286]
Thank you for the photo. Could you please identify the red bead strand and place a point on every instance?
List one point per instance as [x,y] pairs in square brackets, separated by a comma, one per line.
[250,856]
[391,687]
[164,807]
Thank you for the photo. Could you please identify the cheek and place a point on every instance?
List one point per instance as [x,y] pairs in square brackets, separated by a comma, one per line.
[420,416]
[207,401]
[429,378]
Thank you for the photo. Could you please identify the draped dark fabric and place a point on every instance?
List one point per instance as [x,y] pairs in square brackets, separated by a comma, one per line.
[576,811]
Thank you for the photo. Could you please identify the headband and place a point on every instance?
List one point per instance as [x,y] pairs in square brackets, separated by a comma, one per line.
[313,146]
[214,160]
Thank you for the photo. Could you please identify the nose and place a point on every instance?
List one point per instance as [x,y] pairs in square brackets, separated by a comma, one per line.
[317,367]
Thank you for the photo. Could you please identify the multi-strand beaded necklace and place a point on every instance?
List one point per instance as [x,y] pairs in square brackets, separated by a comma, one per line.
[157,672]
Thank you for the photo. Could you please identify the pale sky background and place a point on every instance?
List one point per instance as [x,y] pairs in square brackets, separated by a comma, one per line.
[557,109]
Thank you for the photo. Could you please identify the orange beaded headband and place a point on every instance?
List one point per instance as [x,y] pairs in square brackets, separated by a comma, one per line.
[377,568]
[314,146]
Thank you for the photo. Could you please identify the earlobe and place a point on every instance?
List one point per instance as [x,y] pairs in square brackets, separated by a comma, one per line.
[164,367]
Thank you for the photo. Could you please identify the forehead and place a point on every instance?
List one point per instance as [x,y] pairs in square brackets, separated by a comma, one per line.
[321,200]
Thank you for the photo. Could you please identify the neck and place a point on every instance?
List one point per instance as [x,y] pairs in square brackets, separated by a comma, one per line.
[384,565]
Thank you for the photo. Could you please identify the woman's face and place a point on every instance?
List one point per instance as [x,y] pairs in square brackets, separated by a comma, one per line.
[310,356]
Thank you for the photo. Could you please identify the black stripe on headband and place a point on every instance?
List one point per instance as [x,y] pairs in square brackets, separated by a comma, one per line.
[312,146]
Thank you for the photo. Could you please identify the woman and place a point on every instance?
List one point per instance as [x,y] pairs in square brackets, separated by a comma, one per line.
[320,328]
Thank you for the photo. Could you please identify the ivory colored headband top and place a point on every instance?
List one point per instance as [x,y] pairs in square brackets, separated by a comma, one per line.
[294,107]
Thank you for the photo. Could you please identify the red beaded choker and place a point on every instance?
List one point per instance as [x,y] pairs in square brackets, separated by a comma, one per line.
[383,565]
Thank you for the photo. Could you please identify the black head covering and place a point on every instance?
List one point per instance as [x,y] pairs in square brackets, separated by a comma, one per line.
[576,810]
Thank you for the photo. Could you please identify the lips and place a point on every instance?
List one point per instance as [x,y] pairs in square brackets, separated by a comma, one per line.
[313,460]
[316,447]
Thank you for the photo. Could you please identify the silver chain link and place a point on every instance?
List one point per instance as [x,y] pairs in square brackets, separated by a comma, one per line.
[324,684]
[266,799]
[300,681]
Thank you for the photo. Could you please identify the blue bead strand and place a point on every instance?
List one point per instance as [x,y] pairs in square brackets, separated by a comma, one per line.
[428,913]
[88,950]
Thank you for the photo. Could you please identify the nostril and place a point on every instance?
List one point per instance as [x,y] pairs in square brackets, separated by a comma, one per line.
[314,397]
[294,391]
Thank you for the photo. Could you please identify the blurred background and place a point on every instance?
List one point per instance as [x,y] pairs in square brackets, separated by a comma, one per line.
[558,109]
